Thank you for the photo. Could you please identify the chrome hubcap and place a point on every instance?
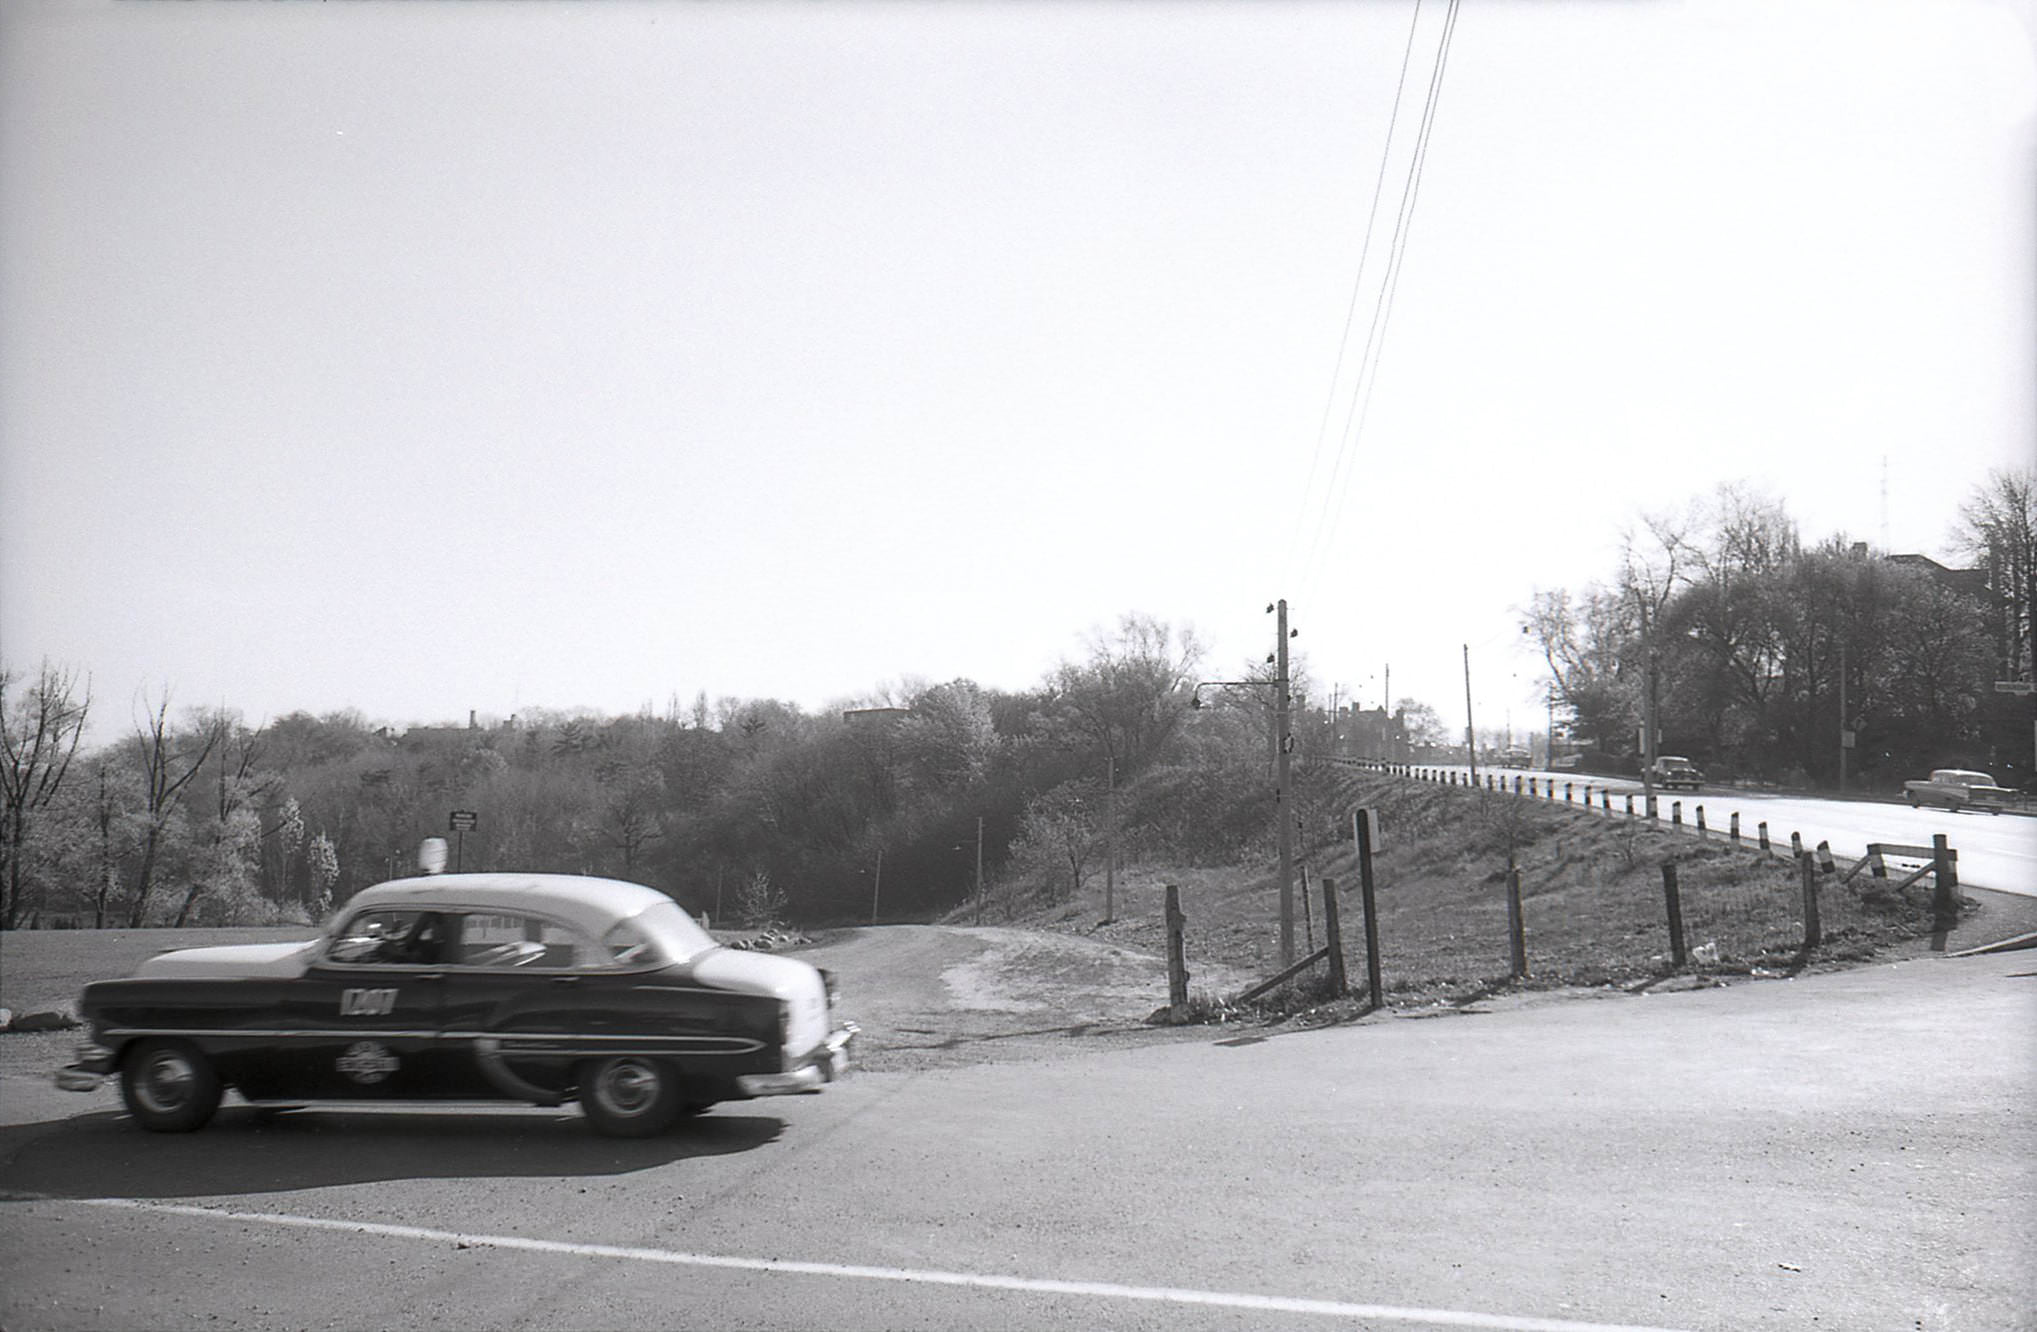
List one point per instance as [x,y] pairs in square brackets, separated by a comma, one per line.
[165,1085]
[628,1089]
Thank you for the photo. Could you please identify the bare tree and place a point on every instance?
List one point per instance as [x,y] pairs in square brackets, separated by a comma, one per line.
[39,735]
[165,772]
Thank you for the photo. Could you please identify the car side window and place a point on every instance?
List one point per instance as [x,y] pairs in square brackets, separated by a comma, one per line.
[392,938]
[507,939]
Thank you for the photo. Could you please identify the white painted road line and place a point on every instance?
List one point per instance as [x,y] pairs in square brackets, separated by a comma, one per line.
[843,1271]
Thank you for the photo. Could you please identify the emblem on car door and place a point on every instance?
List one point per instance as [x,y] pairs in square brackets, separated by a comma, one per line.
[366,1061]
[366,1003]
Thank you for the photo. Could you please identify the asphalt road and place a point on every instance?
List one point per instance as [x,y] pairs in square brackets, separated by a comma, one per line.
[1844,1150]
[1997,851]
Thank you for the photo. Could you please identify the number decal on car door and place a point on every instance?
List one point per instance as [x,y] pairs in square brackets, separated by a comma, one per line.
[366,1003]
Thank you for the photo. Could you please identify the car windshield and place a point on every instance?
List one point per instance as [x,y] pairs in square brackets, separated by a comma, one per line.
[658,935]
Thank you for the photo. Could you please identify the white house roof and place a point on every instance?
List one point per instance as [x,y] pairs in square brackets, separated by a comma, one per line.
[591,904]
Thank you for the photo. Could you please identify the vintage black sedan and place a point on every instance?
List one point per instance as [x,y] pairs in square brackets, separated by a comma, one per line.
[536,988]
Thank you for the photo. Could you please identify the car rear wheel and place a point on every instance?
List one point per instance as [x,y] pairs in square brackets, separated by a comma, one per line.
[169,1087]
[630,1096]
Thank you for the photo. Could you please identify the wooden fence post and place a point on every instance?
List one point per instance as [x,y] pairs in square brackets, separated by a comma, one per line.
[1808,872]
[1177,962]
[1674,902]
[1362,824]
[1516,934]
[1945,882]
[1333,939]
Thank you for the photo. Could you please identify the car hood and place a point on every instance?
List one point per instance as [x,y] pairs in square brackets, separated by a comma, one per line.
[231,961]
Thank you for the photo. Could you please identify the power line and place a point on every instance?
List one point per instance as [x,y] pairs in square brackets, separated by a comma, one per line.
[1368,367]
[1357,285]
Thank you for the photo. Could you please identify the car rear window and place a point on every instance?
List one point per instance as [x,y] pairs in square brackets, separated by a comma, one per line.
[658,935]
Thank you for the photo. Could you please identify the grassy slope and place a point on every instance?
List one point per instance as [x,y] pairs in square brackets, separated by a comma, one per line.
[1592,899]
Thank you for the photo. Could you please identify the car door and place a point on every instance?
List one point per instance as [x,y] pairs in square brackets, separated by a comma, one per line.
[364,1019]
[521,997]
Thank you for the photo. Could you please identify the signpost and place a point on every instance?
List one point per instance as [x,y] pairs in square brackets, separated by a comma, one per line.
[462,822]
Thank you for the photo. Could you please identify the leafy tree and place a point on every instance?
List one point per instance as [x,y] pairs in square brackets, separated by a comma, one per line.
[2000,529]
[40,729]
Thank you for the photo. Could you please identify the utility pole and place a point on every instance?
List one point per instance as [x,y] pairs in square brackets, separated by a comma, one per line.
[1282,804]
[1110,833]
[1470,735]
[1845,736]
[1647,712]
[1386,707]
[1549,736]
[979,869]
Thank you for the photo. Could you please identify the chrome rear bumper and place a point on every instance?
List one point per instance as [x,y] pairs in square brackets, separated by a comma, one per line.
[833,1060]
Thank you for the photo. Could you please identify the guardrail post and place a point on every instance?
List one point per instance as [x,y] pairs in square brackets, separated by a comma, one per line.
[1701,821]
[1763,826]
[1566,792]
[1630,804]
[1674,902]
[1605,798]
[1676,814]
[1796,844]
[1825,862]
[1809,874]
[1654,809]
[1734,826]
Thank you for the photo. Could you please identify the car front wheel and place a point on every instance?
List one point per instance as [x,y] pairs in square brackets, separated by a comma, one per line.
[169,1086]
[630,1096]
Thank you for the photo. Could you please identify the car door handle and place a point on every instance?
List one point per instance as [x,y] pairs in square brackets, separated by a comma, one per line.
[565,980]
[431,975]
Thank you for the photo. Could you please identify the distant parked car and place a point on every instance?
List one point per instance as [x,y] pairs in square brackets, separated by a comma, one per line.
[1674,770]
[1957,788]
[1515,758]
[539,988]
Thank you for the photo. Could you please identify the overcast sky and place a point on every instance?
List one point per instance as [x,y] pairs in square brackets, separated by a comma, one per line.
[423,357]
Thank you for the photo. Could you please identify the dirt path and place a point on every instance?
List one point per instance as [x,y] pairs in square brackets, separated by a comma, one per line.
[930,996]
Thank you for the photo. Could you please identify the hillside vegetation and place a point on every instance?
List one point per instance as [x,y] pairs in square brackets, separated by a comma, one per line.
[1592,899]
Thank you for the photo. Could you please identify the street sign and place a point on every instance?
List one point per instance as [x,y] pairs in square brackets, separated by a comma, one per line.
[2014,687]
[464,820]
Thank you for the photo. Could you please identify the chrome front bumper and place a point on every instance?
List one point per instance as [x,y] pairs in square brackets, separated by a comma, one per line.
[833,1060]
[79,1079]
[94,1062]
